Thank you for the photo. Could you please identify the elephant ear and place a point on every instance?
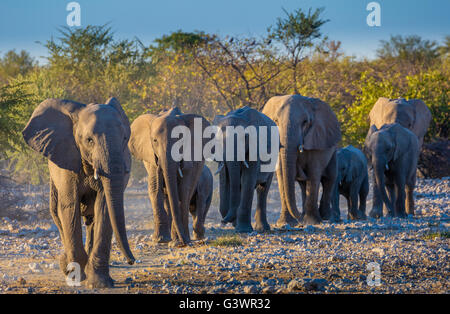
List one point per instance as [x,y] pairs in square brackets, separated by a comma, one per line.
[50,132]
[422,119]
[324,131]
[377,113]
[366,150]
[116,104]
[140,143]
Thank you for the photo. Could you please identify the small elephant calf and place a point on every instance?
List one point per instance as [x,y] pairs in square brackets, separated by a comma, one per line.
[352,181]
[200,203]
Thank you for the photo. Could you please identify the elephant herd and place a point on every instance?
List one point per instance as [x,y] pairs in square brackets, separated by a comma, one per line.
[89,150]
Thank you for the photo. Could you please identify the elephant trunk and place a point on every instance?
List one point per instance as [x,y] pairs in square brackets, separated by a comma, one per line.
[170,173]
[379,167]
[289,166]
[113,188]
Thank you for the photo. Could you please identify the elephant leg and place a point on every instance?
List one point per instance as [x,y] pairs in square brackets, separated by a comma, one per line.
[54,209]
[363,192]
[97,269]
[335,199]
[312,215]
[248,184]
[261,206]
[390,189]
[303,190]
[377,205]
[89,223]
[400,198]
[161,221]
[328,181]
[224,190]
[70,216]
[410,196]
[325,202]
[285,216]
[410,200]
[196,208]
[353,203]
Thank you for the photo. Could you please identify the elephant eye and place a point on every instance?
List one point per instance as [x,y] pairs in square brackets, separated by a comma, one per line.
[90,141]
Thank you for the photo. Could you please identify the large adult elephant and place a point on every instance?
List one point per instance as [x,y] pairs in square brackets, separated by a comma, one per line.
[309,133]
[239,177]
[171,182]
[393,151]
[412,114]
[89,164]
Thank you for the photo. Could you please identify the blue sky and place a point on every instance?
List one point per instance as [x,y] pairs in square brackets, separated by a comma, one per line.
[23,22]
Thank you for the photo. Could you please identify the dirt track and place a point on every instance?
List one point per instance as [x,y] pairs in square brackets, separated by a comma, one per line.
[413,254]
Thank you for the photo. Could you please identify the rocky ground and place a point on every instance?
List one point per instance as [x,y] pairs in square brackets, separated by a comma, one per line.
[385,256]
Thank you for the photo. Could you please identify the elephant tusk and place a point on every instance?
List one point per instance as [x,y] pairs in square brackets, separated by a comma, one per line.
[95,174]
[180,172]
[219,168]
[387,167]
[300,148]
[245,164]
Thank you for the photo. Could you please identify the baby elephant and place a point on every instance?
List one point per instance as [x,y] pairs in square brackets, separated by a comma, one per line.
[352,181]
[393,151]
[200,202]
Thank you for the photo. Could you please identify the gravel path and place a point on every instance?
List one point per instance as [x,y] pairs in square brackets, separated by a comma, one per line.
[385,256]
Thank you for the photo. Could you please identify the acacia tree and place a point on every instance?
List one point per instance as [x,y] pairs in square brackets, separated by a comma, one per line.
[296,32]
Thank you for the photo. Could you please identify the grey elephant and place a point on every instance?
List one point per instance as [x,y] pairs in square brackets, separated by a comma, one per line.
[239,177]
[200,203]
[309,133]
[393,151]
[412,114]
[352,182]
[171,182]
[89,164]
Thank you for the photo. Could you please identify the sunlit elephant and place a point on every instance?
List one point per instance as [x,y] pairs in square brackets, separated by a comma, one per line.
[393,151]
[239,177]
[412,114]
[171,182]
[200,203]
[89,164]
[352,182]
[309,133]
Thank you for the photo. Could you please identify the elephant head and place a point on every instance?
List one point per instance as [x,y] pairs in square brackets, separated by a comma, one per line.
[412,114]
[152,141]
[91,139]
[304,124]
[346,168]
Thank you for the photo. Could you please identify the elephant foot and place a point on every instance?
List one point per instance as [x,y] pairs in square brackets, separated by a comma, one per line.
[63,263]
[286,220]
[311,219]
[335,219]
[161,238]
[244,228]
[401,215]
[97,280]
[262,227]
[229,218]
[177,244]
[376,213]
[198,236]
